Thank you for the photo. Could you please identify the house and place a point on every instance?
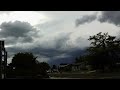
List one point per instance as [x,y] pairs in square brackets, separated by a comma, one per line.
[78,66]
[64,67]
[72,67]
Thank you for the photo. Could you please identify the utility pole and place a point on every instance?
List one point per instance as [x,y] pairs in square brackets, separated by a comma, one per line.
[3,60]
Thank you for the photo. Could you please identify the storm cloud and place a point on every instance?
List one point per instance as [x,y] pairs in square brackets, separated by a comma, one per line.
[53,55]
[17,31]
[56,50]
[85,19]
[54,40]
[110,17]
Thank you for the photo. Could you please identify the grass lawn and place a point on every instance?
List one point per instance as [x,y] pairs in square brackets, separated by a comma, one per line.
[115,75]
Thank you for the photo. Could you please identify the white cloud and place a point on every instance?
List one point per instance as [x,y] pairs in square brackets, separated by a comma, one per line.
[27,16]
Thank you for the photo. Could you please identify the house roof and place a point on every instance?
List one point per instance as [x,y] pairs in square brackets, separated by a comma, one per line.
[75,64]
[63,65]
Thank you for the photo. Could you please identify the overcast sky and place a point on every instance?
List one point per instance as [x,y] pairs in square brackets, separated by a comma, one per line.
[54,36]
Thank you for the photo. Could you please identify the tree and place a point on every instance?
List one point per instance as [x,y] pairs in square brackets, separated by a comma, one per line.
[42,68]
[80,59]
[54,68]
[104,50]
[24,60]
[25,64]
[77,60]
[45,66]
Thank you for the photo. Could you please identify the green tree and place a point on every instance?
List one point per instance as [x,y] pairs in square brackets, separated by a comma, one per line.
[24,60]
[45,66]
[42,68]
[104,51]
[26,64]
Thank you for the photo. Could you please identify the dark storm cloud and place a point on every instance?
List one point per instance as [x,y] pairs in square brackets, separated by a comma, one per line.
[55,56]
[85,19]
[106,16]
[10,40]
[15,29]
[62,53]
[27,39]
[110,17]
[62,39]
[37,51]
[13,40]
[56,47]
[17,32]
[37,48]
[59,42]
[69,57]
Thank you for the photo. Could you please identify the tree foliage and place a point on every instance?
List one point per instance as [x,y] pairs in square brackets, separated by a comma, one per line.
[104,50]
[24,60]
[26,64]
